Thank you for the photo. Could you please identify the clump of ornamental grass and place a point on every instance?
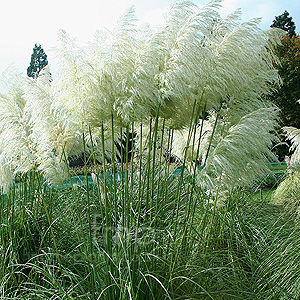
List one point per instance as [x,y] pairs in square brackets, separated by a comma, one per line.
[287,194]
[191,91]
[196,67]
[146,233]
[33,136]
[134,238]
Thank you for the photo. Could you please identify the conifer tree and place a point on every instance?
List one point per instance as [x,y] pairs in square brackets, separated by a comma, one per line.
[38,61]
[285,22]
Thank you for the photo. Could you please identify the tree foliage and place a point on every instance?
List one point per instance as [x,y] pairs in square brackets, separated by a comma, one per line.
[285,22]
[38,61]
[289,70]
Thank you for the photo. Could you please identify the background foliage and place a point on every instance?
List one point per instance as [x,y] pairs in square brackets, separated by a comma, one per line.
[38,61]
[289,69]
[285,22]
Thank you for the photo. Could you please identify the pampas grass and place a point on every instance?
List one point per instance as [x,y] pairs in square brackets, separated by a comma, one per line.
[293,134]
[190,91]
[221,67]
[287,192]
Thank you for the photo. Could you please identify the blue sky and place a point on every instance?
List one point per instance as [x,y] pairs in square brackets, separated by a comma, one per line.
[24,23]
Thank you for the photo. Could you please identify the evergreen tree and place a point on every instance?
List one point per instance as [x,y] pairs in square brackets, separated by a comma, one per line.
[285,22]
[38,61]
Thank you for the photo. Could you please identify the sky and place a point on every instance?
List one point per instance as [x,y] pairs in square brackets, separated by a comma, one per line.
[24,23]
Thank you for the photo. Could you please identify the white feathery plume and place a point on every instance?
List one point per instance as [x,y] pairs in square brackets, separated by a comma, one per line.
[50,133]
[239,152]
[11,82]
[111,65]
[200,59]
[70,85]
[289,187]
[16,147]
[293,134]
[229,154]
